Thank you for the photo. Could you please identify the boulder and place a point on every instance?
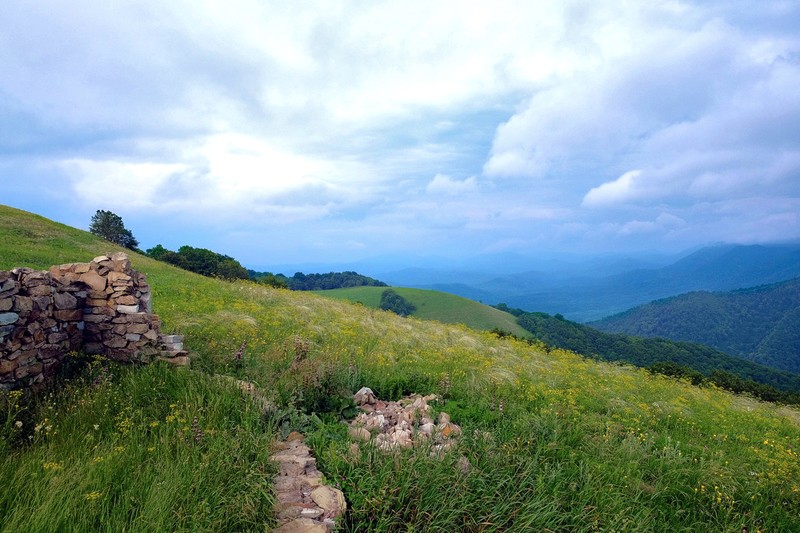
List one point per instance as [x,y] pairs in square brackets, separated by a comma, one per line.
[359,433]
[7,366]
[127,300]
[69,315]
[364,396]
[116,277]
[116,342]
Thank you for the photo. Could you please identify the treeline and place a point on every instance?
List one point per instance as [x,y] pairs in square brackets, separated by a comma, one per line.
[201,261]
[558,332]
[726,380]
[315,282]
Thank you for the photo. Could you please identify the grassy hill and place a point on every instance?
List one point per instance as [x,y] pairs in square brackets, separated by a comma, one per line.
[435,305]
[761,324]
[554,441]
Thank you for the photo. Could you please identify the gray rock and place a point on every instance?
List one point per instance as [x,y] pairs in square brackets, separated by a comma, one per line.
[65,300]
[8,318]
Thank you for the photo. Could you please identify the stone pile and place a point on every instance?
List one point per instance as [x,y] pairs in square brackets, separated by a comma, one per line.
[402,424]
[100,307]
[304,504]
[171,349]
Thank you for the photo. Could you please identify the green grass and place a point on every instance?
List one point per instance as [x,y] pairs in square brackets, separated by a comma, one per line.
[436,305]
[145,449]
[555,441]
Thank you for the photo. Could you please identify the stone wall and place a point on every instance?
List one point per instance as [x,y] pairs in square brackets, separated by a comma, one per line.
[100,307]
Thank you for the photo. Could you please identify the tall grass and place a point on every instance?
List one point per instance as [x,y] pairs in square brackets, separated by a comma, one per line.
[140,449]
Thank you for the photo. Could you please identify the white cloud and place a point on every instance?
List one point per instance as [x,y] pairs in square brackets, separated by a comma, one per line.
[443,184]
[116,184]
[232,175]
[663,223]
[621,189]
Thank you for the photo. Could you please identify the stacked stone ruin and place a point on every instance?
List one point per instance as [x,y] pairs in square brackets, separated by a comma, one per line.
[101,307]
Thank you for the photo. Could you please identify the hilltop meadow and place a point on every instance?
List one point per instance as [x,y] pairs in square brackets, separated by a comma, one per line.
[554,441]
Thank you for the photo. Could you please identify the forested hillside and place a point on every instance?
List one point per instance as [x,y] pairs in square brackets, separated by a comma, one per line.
[558,332]
[761,324]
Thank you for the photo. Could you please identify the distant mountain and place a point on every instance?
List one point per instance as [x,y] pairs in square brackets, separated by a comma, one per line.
[582,288]
[761,324]
[588,297]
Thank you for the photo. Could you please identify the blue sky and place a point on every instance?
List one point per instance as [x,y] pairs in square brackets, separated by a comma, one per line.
[286,132]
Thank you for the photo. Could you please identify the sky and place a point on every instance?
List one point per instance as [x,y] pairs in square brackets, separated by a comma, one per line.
[284,132]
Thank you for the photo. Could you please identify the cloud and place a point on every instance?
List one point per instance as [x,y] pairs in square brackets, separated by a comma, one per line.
[664,222]
[621,189]
[443,184]
[553,124]
[118,184]
[231,175]
[692,112]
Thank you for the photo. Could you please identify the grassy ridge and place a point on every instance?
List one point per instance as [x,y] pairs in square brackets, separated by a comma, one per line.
[553,440]
[435,305]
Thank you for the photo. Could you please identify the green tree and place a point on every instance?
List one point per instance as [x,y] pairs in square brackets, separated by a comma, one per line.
[109,226]
[200,260]
[158,252]
[391,301]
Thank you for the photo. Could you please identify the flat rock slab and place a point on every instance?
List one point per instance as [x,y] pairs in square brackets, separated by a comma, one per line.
[303,503]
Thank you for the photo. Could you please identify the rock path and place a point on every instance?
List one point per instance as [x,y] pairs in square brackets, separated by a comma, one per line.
[304,504]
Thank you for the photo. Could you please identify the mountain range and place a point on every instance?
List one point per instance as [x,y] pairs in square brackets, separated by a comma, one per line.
[594,289]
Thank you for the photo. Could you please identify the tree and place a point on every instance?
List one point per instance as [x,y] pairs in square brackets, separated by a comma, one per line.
[391,301]
[109,226]
[201,261]
[158,252]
